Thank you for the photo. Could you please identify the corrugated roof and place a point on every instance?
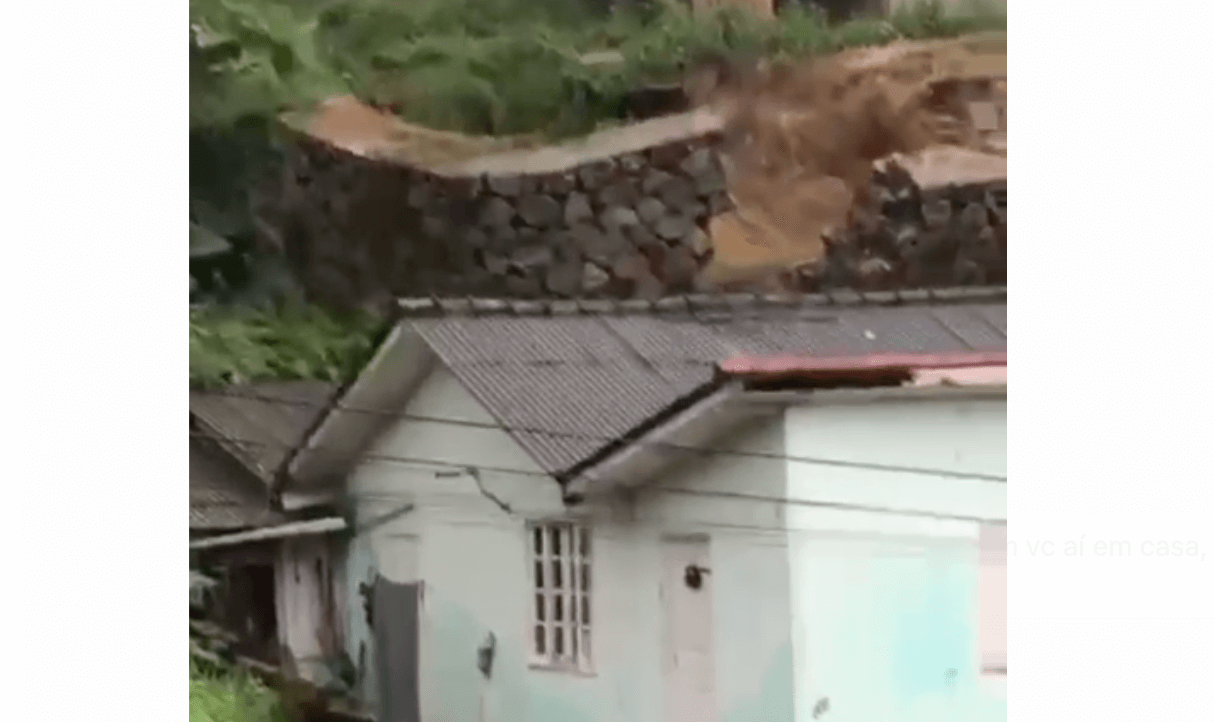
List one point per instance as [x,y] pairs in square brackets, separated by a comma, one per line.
[567,379]
[262,422]
[223,494]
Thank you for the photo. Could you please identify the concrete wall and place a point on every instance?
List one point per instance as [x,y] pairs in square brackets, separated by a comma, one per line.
[472,556]
[885,595]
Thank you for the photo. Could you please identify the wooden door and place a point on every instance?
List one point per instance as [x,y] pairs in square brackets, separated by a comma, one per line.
[689,668]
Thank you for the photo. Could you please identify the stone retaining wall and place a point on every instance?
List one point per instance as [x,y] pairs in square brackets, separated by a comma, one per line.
[356,229]
[915,237]
[625,226]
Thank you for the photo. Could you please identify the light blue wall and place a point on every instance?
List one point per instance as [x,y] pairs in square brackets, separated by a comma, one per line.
[884,602]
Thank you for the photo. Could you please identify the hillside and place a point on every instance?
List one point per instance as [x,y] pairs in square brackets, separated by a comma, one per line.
[383,191]
[767,184]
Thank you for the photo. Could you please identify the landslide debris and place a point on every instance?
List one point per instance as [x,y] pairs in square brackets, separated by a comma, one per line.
[803,138]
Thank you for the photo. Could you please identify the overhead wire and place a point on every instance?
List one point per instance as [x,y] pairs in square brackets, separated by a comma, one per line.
[656,443]
[417,461]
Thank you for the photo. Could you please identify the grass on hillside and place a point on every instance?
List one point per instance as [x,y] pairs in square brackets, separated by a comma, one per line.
[501,67]
[231,696]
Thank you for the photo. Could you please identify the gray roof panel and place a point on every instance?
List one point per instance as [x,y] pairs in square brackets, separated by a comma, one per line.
[565,386]
[264,421]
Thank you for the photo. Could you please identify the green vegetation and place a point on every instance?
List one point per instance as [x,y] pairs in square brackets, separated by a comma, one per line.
[223,695]
[496,66]
[477,66]
[239,344]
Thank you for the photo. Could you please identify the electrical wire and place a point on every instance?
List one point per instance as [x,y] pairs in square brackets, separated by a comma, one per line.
[893,468]
[671,490]
[389,458]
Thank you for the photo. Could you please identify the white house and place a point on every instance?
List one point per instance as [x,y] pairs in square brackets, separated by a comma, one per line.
[701,509]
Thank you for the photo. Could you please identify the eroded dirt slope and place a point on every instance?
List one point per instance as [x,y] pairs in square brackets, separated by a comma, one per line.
[803,138]
[799,206]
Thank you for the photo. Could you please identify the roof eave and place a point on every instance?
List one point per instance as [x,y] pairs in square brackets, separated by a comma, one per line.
[269,533]
[357,416]
[672,440]
[876,394]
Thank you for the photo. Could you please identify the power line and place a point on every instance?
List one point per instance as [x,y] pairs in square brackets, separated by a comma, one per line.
[923,471]
[388,496]
[392,458]
[739,495]
[661,489]
[821,504]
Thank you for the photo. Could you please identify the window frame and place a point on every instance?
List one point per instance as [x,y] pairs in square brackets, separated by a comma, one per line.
[573,554]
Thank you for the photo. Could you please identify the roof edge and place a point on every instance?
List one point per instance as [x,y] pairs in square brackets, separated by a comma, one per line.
[429,307]
[341,434]
[232,447]
[868,370]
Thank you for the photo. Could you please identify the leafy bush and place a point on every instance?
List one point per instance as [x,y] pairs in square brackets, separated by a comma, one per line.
[228,695]
[237,344]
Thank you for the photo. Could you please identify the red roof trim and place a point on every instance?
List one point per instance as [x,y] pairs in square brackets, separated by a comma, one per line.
[861,365]
[968,376]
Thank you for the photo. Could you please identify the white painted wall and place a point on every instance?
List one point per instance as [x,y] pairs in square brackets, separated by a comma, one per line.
[472,557]
[748,548]
[808,601]
[885,597]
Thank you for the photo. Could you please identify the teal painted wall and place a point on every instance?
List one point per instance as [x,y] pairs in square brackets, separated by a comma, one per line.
[891,634]
[884,586]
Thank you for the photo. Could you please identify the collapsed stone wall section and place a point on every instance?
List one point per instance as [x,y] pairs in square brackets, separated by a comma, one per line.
[633,225]
[912,237]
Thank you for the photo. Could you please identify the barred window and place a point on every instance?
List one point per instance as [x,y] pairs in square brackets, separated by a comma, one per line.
[560,576]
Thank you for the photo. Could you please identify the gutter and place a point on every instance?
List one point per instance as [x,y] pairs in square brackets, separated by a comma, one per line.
[293,529]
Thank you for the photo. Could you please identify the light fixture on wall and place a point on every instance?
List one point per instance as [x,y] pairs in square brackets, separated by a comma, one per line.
[693,576]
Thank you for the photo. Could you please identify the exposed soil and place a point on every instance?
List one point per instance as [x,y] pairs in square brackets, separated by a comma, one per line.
[803,139]
[348,123]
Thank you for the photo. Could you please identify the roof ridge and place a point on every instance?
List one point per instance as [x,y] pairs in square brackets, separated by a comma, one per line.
[425,307]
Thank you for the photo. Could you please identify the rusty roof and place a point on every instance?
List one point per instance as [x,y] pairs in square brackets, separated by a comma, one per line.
[260,424]
[567,378]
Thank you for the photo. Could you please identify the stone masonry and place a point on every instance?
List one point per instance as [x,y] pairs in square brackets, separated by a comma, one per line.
[625,226]
[631,224]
